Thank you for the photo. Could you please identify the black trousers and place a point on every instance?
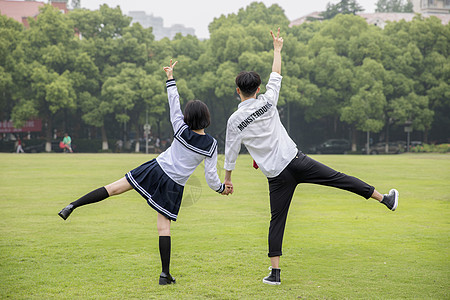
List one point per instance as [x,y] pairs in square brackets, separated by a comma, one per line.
[303,169]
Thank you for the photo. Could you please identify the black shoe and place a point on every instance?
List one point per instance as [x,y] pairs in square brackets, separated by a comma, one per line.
[274,277]
[391,200]
[66,211]
[166,279]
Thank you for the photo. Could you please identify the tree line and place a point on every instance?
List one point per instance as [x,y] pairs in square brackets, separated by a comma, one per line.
[94,73]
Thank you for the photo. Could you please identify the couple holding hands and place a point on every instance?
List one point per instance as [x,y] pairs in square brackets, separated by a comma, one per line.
[256,124]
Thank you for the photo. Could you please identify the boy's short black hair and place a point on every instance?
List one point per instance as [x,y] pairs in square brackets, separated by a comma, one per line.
[196,115]
[248,82]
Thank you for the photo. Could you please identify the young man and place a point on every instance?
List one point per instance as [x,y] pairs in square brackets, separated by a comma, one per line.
[257,125]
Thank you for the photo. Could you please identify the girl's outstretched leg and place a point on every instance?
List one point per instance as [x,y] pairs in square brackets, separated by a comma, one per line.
[163,225]
[115,188]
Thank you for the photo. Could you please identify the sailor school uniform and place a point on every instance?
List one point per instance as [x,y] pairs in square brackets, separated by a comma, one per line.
[161,181]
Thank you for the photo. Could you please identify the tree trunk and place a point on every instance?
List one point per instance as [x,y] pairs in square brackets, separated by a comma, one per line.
[134,122]
[335,124]
[138,143]
[354,148]
[159,128]
[48,135]
[425,136]
[104,139]
[368,143]
[386,147]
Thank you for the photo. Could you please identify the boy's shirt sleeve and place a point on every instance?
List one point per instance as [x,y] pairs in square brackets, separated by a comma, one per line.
[176,115]
[232,146]
[273,88]
[211,176]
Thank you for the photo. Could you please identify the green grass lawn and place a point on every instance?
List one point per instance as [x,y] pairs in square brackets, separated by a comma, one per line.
[337,245]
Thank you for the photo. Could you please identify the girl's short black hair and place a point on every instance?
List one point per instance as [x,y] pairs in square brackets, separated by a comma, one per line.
[196,115]
[248,82]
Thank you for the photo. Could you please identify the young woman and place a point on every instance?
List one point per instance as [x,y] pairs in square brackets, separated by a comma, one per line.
[161,180]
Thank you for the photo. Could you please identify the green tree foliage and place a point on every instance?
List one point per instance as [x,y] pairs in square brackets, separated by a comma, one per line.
[400,6]
[10,37]
[423,49]
[331,69]
[365,110]
[341,76]
[237,42]
[413,108]
[108,40]
[133,92]
[344,7]
[46,57]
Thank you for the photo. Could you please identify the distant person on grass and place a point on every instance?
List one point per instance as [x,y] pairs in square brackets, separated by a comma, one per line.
[19,146]
[67,141]
[257,125]
[161,181]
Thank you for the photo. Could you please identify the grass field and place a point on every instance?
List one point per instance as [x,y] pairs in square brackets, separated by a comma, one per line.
[336,246]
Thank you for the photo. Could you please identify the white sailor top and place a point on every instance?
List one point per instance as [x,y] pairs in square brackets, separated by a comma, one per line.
[188,148]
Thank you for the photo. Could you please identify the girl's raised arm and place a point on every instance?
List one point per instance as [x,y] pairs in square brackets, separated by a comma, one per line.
[176,115]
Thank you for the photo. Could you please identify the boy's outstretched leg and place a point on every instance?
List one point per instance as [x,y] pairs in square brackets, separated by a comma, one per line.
[97,195]
[308,170]
[391,199]
[164,249]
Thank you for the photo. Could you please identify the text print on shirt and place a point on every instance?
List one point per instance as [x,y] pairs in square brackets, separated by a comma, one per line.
[254,116]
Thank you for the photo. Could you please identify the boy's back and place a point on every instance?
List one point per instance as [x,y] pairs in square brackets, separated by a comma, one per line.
[257,125]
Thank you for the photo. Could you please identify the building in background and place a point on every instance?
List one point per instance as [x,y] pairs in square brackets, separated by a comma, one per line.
[431,6]
[436,8]
[381,19]
[22,10]
[156,23]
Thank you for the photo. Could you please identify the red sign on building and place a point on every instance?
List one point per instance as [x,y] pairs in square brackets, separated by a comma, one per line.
[29,126]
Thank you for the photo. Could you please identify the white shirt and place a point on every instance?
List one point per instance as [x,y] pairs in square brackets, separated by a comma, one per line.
[188,148]
[257,125]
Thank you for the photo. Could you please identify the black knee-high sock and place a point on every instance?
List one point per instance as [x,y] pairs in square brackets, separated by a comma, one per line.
[164,251]
[92,197]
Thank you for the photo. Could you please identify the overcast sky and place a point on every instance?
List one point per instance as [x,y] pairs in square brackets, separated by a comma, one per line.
[199,13]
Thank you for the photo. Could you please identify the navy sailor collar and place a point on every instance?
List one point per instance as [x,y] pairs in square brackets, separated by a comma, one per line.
[201,144]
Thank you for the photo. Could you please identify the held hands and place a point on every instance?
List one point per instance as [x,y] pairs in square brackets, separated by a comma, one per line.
[228,183]
[277,41]
[228,189]
[169,70]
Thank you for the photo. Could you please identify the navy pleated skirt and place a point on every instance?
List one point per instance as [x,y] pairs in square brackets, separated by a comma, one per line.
[161,192]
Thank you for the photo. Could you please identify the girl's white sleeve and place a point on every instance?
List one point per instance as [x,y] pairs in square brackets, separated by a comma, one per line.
[211,173]
[176,115]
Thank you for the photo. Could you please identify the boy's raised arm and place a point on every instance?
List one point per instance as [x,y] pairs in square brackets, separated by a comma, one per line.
[277,46]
